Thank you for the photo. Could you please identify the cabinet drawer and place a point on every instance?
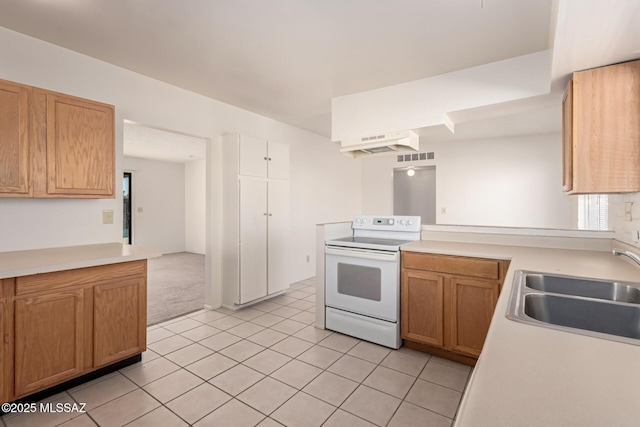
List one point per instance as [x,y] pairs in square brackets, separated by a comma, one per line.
[79,276]
[463,266]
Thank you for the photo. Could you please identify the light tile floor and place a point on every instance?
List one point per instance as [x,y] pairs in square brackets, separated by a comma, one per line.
[266,366]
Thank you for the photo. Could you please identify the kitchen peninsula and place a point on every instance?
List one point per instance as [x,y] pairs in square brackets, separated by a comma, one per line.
[531,376]
[67,312]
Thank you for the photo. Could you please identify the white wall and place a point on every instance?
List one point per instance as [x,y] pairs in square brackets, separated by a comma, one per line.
[511,181]
[47,223]
[159,192]
[195,207]
[617,221]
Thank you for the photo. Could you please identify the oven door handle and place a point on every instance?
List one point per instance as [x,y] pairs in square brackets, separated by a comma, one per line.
[359,253]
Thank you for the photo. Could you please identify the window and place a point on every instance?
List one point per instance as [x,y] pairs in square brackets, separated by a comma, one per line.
[593,212]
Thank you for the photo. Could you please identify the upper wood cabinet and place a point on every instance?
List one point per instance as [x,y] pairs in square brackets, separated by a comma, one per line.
[601,130]
[79,147]
[54,145]
[15,160]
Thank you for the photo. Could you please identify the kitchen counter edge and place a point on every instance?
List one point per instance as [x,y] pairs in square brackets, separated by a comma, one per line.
[36,261]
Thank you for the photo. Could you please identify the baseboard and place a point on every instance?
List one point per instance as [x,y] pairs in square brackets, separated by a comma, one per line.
[74,382]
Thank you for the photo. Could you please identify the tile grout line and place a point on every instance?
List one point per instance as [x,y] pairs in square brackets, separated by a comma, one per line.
[312,342]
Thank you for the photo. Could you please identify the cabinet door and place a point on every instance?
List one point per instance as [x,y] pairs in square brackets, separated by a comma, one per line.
[567,138]
[119,320]
[253,156]
[422,311]
[606,119]
[3,347]
[49,339]
[471,303]
[278,236]
[253,239]
[278,163]
[15,162]
[80,147]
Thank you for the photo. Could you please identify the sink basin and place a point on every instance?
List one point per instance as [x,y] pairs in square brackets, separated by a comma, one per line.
[578,286]
[595,316]
[597,308]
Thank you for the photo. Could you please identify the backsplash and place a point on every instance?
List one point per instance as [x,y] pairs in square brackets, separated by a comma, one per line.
[620,225]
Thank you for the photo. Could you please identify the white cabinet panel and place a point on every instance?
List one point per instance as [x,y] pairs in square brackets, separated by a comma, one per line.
[253,156]
[278,233]
[256,219]
[253,239]
[278,164]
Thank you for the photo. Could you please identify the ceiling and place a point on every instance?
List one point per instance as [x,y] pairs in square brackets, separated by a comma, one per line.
[156,144]
[286,59]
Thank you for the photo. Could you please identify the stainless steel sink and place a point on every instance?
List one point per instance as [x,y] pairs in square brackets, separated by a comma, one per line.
[597,308]
[595,316]
[579,286]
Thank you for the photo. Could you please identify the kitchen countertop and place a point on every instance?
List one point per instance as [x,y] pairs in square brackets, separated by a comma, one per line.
[22,263]
[533,376]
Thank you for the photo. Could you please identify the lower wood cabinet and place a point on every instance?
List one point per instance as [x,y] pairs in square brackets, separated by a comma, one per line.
[49,339]
[4,347]
[423,307]
[58,326]
[471,303]
[119,320]
[447,302]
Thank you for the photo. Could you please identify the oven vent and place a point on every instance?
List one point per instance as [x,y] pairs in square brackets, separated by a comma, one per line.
[415,157]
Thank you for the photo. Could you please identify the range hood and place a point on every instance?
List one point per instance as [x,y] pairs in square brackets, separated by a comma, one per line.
[381,143]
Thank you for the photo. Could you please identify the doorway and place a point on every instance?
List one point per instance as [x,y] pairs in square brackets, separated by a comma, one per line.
[169,215]
[127,229]
[414,192]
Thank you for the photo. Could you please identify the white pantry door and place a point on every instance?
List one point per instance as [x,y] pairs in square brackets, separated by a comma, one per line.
[278,236]
[253,239]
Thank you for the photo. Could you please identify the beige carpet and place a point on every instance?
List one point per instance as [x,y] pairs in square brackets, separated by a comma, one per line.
[175,286]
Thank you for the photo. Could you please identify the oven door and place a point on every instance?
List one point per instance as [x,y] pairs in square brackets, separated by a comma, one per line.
[363,281]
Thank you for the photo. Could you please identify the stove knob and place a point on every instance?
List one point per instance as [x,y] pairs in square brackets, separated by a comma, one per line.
[401,222]
[409,222]
[391,222]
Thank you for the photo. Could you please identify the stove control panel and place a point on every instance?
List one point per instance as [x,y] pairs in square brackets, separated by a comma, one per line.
[387,223]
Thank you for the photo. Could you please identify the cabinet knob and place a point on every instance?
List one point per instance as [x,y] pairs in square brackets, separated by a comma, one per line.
[269,159]
[265,214]
[265,158]
[270,214]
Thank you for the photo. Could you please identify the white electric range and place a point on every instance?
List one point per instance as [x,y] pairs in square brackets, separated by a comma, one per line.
[362,278]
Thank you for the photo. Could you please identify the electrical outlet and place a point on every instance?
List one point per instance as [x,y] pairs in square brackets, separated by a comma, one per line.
[443,211]
[140,210]
[627,211]
[107,216]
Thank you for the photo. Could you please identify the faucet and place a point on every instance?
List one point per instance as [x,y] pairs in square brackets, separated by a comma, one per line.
[629,254]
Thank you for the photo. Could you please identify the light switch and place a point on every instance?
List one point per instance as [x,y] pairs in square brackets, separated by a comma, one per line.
[140,209]
[107,216]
